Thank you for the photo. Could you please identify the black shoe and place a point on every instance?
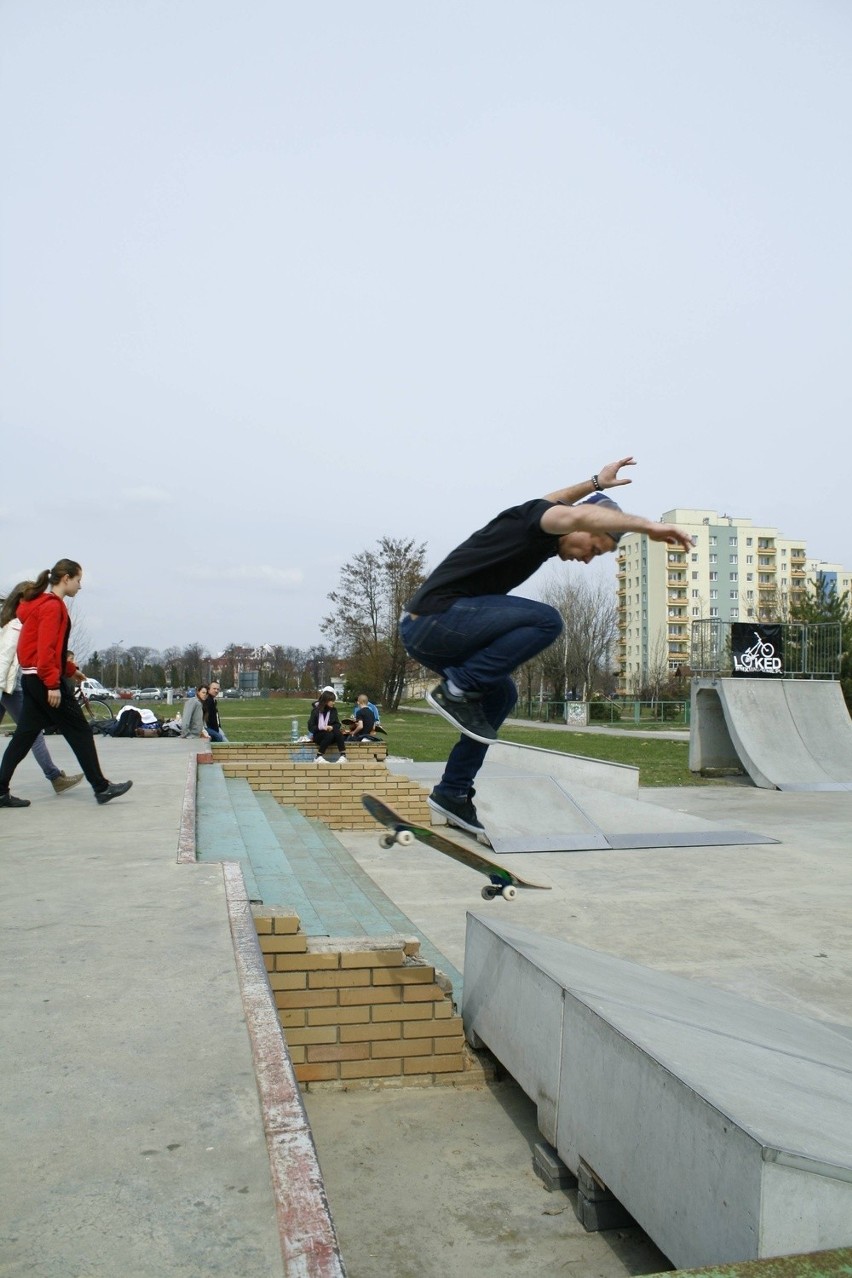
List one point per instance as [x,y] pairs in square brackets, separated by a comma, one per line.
[9,801]
[113,790]
[458,811]
[464,712]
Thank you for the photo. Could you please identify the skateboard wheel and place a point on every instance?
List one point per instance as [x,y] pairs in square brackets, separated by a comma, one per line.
[386,840]
[489,893]
[509,892]
[404,838]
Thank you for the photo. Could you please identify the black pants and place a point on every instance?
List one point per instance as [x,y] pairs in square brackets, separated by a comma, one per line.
[325,738]
[36,715]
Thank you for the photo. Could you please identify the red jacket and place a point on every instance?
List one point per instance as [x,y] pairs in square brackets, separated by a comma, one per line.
[44,637]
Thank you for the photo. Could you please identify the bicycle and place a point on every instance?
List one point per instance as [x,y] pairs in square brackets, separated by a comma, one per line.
[94,710]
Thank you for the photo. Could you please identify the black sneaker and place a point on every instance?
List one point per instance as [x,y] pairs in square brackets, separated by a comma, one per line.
[463,712]
[458,811]
[113,790]
[9,801]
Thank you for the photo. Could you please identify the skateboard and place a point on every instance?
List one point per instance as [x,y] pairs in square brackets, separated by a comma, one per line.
[403,833]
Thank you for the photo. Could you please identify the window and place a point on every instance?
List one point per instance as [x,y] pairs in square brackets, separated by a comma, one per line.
[714,594]
[696,594]
[695,559]
[714,612]
[714,559]
[695,576]
[714,576]
[734,594]
[734,576]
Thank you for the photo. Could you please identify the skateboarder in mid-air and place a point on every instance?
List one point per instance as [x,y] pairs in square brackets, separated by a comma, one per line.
[464,624]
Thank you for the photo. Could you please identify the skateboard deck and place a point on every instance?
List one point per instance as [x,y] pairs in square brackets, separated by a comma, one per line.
[403,833]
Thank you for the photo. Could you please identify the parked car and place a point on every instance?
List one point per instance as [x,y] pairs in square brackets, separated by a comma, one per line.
[94,690]
[149,694]
[232,693]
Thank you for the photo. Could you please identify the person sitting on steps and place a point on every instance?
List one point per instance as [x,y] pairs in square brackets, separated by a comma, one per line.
[324,727]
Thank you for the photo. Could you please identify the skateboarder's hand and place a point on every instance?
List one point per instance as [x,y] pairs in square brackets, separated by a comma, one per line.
[672,534]
[608,475]
[54,697]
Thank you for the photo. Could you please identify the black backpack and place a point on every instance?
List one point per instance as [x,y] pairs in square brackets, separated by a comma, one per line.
[128,721]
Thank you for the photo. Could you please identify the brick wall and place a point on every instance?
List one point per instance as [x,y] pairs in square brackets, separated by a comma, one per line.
[361,1010]
[222,750]
[329,792]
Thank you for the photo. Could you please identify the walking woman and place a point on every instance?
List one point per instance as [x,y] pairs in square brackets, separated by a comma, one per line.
[47,701]
[11,696]
[324,727]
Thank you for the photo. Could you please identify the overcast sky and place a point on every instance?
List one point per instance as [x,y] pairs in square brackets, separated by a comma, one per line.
[279,279]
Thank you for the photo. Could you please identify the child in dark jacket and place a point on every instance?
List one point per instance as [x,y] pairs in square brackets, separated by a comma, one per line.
[324,727]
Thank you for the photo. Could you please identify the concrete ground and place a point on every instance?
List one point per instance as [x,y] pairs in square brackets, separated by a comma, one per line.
[770,922]
[131,1130]
[129,1100]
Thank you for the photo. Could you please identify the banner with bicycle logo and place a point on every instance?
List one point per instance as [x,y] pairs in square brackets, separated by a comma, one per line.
[757,651]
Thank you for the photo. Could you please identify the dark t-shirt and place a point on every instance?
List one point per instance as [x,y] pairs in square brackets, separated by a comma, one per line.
[365,720]
[493,561]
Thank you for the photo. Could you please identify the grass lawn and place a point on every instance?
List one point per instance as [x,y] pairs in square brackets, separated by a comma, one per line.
[427,738]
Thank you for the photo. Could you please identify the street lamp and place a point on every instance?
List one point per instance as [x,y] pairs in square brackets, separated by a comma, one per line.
[117,654]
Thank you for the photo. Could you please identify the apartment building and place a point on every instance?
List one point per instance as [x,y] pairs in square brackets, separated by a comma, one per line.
[737,571]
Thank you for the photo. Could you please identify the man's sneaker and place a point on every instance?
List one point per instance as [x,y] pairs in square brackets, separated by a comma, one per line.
[9,801]
[464,712]
[62,782]
[113,790]
[458,811]
[320,759]
[342,759]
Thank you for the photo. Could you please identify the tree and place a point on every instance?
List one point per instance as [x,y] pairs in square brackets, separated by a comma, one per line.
[581,655]
[370,596]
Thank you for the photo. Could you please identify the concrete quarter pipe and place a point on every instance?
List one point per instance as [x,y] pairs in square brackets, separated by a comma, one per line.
[787,734]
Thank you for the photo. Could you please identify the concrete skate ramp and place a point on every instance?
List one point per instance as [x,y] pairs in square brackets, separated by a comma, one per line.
[786,734]
[723,1126]
[539,812]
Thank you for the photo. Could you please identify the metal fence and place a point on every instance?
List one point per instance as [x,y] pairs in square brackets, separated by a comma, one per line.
[628,713]
[811,650]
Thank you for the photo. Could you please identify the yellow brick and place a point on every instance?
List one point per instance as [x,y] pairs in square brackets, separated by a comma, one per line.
[297,1054]
[423,993]
[370,1032]
[372,959]
[412,1047]
[404,976]
[305,962]
[288,980]
[284,944]
[454,1043]
[312,1034]
[262,926]
[338,1015]
[435,1029]
[305,998]
[371,1069]
[404,1012]
[444,1009]
[286,926]
[339,980]
[292,1017]
[316,1072]
[432,1064]
[340,1052]
[269,962]
[354,998]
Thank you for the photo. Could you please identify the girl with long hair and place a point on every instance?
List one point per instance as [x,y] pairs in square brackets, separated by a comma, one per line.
[11,696]
[47,701]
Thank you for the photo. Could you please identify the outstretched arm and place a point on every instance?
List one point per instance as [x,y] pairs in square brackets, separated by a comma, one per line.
[607,477]
[591,518]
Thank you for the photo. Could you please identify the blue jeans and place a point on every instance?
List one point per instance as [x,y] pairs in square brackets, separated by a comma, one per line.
[13,704]
[478,643]
[216,734]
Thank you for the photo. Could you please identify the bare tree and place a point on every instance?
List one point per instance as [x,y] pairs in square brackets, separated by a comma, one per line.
[373,588]
[583,651]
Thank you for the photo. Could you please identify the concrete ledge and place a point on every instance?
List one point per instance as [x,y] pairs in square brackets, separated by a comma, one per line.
[723,1126]
[308,1239]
